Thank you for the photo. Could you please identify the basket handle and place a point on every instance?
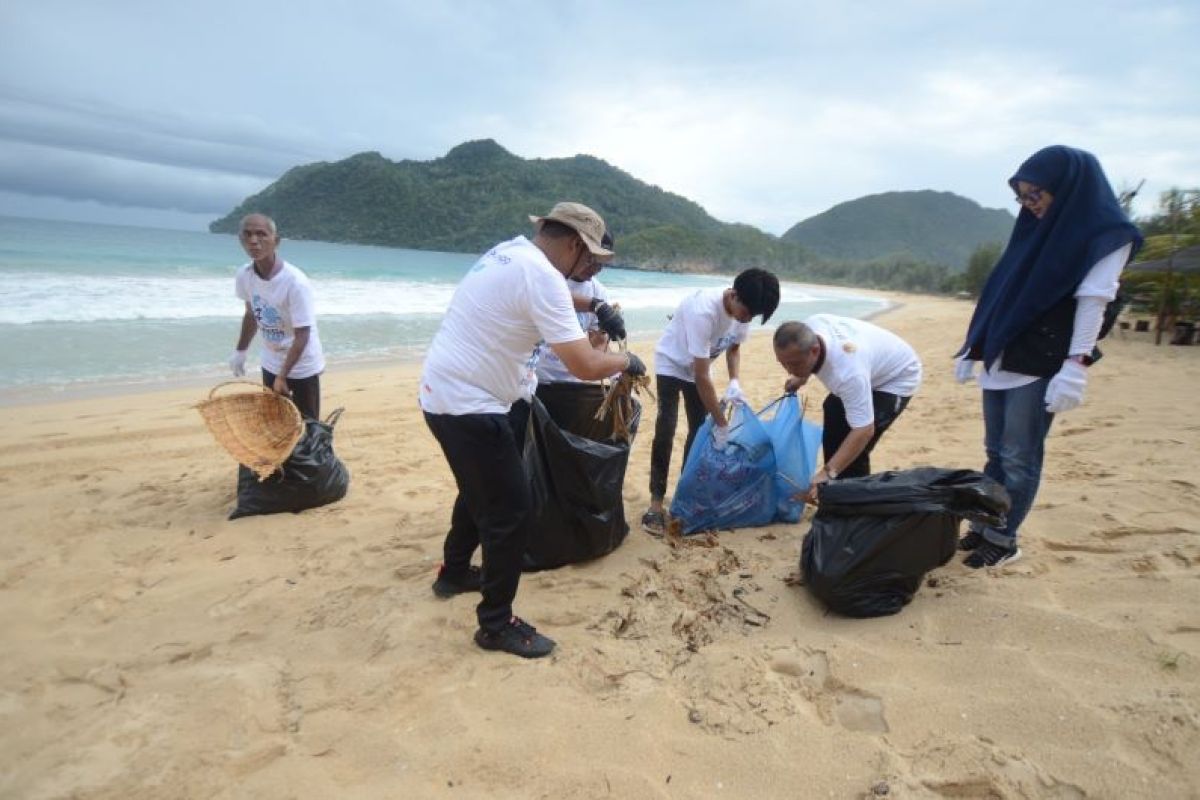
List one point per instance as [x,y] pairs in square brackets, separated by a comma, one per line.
[213,393]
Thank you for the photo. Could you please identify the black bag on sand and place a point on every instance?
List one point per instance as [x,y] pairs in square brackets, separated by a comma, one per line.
[312,476]
[576,482]
[874,538]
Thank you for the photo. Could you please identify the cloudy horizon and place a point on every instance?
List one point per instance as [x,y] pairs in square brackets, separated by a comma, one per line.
[765,114]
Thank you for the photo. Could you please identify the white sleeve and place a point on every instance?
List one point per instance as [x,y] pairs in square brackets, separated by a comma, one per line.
[1089,316]
[301,306]
[1104,276]
[742,333]
[551,308]
[855,395]
[698,333]
[239,286]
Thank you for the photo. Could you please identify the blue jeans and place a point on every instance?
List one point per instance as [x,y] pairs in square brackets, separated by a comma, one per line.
[1015,423]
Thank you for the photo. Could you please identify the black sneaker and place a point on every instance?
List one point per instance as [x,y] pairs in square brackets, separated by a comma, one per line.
[517,637]
[654,523]
[971,541]
[989,554]
[448,585]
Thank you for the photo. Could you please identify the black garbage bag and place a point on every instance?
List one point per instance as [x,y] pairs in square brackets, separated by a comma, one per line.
[312,476]
[578,511]
[874,538]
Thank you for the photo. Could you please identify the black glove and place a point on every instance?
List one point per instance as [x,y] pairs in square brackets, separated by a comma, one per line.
[636,368]
[610,319]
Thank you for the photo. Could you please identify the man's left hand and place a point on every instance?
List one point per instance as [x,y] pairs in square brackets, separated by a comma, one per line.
[280,386]
[820,478]
[609,319]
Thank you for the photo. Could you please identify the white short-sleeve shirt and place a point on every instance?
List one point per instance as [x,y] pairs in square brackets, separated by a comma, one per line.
[861,358]
[280,305]
[700,328]
[482,358]
[550,368]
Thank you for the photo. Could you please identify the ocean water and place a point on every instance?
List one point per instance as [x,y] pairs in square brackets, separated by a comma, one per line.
[84,304]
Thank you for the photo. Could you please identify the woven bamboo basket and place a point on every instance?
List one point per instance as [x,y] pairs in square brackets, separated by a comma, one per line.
[258,428]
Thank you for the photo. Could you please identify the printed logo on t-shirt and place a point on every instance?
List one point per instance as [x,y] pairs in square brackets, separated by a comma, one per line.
[491,255]
[722,344]
[269,320]
[530,377]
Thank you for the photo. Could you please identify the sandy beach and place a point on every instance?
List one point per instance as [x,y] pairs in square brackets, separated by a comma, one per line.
[153,649]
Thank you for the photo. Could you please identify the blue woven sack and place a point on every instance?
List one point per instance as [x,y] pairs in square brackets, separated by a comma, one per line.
[796,441]
[729,488]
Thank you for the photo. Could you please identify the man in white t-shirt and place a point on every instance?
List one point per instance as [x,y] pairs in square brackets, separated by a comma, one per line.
[279,304]
[871,374]
[480,363]
[707,322]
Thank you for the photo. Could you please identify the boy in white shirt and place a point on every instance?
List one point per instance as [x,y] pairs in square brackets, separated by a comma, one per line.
[871,374]
[279,303]
[707,322]
[480,363]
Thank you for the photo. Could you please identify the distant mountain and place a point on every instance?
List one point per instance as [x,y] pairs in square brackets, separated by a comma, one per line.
[927,226]
[479,194]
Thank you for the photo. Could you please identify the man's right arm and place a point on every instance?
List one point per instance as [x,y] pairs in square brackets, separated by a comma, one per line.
[249,328]
[587,364]
[707,391]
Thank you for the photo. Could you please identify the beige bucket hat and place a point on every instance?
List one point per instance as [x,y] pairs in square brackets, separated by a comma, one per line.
[581,219]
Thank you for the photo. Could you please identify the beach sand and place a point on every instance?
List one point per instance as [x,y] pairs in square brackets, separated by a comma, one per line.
[154,650]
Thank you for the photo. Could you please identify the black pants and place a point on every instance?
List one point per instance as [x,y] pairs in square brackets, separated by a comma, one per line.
[887,408]
[492,508]
[669,389]
[306,393]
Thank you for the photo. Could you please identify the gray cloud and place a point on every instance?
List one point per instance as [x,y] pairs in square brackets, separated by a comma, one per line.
[764,112]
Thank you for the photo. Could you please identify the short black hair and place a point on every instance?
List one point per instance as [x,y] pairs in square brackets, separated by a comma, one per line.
[758,290]
[553,229]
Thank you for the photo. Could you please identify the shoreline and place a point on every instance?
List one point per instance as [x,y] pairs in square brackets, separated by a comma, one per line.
[16,397]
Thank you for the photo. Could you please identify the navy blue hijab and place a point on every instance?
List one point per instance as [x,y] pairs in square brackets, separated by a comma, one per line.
[1046,259]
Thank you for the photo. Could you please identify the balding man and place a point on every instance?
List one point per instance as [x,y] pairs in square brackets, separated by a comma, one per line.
[279,303]
[481,362]
[871,374]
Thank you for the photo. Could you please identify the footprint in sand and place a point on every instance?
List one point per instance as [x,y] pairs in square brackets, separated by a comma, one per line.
[852,708]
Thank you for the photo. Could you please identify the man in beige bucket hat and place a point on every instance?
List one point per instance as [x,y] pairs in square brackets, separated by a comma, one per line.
[480,363]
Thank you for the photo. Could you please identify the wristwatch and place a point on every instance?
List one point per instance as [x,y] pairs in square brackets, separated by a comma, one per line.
[831,472]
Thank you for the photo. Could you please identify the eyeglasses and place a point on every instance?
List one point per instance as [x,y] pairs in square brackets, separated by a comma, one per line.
[1032,197]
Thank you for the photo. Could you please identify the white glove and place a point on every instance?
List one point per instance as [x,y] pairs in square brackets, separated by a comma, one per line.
[720,436]
[237,363]
[1065,391]
[734,393]
[964,370]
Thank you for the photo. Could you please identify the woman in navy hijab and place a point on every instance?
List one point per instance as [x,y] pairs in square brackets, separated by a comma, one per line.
[1035,327]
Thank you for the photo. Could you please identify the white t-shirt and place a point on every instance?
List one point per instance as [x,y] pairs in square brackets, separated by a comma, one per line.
[550,368]
[1102,281]
[700,329]
[482,358]
[861,358]
[282,304]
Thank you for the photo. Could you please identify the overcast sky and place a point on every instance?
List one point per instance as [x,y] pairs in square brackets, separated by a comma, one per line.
[168,114]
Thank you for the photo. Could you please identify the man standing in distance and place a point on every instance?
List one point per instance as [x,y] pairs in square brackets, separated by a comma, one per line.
[481,361]
[279,303]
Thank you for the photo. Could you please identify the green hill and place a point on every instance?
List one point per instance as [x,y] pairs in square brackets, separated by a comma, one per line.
[479,194]
[927,226]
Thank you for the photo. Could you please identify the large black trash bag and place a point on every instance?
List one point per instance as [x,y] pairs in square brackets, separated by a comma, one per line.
[312,476]
[874,538]
[578,511]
